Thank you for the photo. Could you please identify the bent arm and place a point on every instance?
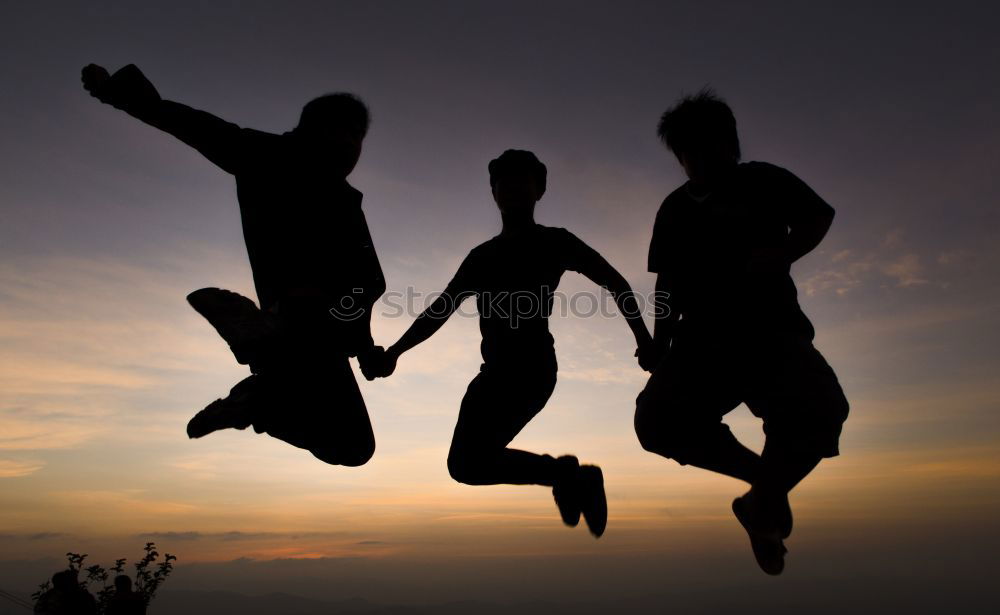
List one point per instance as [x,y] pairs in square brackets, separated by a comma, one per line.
[807,233]
[806,214]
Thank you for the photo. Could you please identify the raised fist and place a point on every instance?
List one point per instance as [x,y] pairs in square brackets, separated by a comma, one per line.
[93,77]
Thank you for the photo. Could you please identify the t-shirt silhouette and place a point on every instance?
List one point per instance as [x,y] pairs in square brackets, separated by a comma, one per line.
[513,277]
[706,249]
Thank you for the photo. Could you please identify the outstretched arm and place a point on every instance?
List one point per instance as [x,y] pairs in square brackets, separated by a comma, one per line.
[426,325]
[433,318]
[222,142]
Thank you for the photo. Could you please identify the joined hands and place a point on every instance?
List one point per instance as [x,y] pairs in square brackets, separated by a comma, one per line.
[378,363]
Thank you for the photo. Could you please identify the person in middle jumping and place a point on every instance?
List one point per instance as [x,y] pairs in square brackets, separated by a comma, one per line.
[513,277]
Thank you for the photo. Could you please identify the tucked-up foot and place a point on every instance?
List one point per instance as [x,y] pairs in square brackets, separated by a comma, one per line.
[593,502]
[768,548]
[566,492]
[236,318]
[232,412]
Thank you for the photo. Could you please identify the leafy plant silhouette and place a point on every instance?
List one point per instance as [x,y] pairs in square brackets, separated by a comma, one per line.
[149,575]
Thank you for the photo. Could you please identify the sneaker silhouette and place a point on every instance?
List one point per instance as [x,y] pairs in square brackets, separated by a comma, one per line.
[236,318]
[593,501]
[232,412]
[768,547]
[566,492]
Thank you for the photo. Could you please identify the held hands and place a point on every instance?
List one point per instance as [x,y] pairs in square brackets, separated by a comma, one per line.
[378,363]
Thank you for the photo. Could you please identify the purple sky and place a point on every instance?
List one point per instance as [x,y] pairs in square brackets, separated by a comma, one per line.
[887,111]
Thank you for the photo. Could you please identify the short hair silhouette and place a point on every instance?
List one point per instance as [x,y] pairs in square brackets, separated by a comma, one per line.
[697,118]
[337,108]
[123,583]
[518,161]
[65,579]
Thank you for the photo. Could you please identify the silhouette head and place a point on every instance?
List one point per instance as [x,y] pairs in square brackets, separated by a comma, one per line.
[123,584]
[65,579]
[517,178]
[700,130]
[333,127]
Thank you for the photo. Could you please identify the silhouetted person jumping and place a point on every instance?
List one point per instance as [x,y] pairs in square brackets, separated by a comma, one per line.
[732,330]
[513,277]
[310,251]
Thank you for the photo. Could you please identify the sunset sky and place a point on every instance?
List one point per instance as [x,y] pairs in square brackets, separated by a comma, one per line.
[888,112]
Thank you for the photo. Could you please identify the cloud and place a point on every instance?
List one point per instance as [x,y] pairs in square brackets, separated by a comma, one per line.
[953,257]
[47,536]
[84,337]
[132,504]
[171,536]
[630,375]
[26,430]
[848,270]
[36,536]
[846,275]
[235,535]
[12,468]
[906,270]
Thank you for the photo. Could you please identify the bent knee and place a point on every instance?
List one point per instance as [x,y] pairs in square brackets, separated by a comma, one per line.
[651,427]
[350,456]
[671,437]
[466,468]
[358,457]
[460,468]
[840,408]
[665,444]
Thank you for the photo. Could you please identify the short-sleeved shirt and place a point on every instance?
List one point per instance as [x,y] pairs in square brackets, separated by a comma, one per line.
[704,248]
[513,278]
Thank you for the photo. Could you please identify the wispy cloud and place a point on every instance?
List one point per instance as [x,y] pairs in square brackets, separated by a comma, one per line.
[891,262]
[83,337]
[12,468]
[906,270]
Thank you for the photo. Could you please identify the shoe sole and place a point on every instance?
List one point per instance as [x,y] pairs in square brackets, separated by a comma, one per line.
[768,551]
[567,495]
[207,421]
[593,500]
[209,302]
[201,425]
